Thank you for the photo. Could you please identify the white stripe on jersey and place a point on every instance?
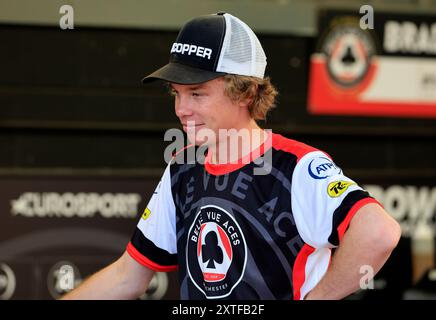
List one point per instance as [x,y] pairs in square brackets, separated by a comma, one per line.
[160,226]
[316,266]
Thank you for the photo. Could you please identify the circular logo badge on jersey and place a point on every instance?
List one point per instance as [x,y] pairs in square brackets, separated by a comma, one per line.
[322,167]
[349,50]
[216,252]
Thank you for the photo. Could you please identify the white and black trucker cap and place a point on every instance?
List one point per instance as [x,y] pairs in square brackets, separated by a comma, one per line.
[211,46]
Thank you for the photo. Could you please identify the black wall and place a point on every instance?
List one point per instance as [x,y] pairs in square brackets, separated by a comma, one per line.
[73,99]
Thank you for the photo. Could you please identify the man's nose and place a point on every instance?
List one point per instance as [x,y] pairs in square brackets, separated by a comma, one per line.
[182,107]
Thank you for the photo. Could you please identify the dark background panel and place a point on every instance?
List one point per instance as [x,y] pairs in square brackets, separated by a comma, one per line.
[46,56]
[120,150]
[74,99]
[45,148]
[93,75]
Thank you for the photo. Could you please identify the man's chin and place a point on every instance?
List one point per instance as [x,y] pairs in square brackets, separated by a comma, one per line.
[198,142]
[200,136]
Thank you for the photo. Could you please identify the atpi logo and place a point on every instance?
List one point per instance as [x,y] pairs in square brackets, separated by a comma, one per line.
[322,167]
[216,252]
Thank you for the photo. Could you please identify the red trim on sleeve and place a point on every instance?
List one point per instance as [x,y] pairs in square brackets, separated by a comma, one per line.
[135,254]
[295,147]
[359,204]
[299,272]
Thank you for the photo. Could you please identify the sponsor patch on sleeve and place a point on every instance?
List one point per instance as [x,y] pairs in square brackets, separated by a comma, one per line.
[322,167]
[146,214]
[337,188]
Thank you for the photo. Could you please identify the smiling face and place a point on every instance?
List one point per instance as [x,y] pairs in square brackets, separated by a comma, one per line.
[208,108]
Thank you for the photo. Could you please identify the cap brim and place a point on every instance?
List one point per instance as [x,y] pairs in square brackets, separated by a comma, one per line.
[182,74]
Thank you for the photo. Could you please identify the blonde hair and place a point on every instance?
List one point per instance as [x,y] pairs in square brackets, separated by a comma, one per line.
[261,92]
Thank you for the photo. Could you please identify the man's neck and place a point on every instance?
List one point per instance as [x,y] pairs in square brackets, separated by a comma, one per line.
[235,144]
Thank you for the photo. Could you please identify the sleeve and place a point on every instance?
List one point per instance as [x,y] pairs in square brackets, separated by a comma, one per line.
[324,200]
[154,241]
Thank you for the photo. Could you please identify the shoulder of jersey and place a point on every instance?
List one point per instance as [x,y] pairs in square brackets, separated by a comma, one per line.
[297,148]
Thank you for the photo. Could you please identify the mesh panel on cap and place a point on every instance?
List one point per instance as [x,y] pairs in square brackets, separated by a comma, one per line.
[242,52]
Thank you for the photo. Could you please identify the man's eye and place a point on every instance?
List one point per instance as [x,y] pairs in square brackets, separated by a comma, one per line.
[195,94]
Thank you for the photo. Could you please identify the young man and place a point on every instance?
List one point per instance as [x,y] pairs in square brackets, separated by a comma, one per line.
[232,233]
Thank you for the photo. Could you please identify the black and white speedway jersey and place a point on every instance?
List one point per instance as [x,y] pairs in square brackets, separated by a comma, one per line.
[233,234]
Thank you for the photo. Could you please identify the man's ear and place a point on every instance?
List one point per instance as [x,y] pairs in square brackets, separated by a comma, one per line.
[245,103]
[250,94]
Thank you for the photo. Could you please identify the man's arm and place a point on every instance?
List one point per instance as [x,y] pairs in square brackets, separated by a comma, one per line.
[123,279]
[371,237]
